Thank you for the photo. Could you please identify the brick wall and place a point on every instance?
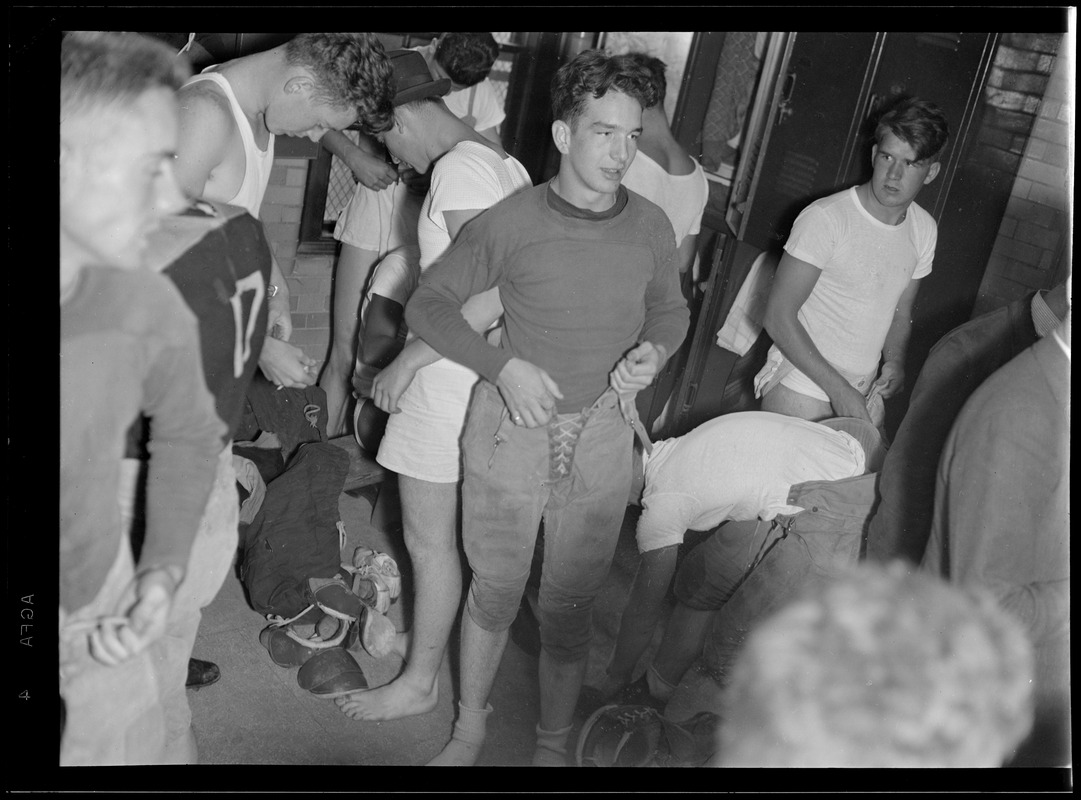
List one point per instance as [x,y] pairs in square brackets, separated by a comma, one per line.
[309,276]
[1030,91]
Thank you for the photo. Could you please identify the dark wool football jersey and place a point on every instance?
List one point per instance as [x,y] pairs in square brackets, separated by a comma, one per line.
[219,259]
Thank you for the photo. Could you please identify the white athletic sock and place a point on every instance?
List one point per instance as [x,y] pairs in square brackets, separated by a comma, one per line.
[551,747]
[465,745]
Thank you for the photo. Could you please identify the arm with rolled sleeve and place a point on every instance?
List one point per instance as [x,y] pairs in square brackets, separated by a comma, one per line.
[665,326]
[185,440]
[434,312]
[667,315]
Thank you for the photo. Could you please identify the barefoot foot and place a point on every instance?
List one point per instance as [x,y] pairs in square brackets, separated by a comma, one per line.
[395,700]
[402,642]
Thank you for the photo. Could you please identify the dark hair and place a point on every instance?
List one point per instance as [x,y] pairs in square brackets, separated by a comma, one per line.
[99,68]
[920,123]
[595,73]
[656,69]
[467,57]
[351,71]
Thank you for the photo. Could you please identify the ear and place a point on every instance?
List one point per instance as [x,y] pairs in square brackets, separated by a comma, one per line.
[561,135]
[299,83]
[932,173]
[874,153]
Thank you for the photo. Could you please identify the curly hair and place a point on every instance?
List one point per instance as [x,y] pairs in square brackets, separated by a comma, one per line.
[467,57]
[919,122]
[595,73]
[351,71]
[880,668]
[99,69]
[656,68]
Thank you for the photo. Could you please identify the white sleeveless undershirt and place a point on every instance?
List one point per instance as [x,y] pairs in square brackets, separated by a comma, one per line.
[257,163]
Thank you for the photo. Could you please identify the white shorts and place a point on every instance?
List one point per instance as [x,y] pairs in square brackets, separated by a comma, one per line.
[379,221]
[798,382]
[423,440]
[776,364]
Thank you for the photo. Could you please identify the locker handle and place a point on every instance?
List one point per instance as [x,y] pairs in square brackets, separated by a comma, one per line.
[872,105]
[692,395]
[784,109]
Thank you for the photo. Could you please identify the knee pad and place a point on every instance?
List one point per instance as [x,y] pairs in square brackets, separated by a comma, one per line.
[566,631]
[493,605]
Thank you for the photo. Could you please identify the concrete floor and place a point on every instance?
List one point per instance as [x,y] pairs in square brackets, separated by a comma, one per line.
[258,714]
[255,727]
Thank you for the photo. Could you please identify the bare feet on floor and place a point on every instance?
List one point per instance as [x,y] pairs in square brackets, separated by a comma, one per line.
[401,644]
[395,700]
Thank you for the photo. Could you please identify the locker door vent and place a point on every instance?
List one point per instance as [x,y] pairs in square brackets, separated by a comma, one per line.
[948,41]
[797,176]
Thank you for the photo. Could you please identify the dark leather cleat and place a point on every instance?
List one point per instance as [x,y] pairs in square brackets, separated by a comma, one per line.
[284,650]
[288,649]
[202,673]
[589,700]
[335,598]
[640,736]
[332,673]
[637,694]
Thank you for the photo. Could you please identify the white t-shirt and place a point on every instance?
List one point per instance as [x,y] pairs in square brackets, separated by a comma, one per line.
[739,467]
[421,440]
[478,106]
[469,175]
[257,163]
[683,198]
[866,266]
[386,220]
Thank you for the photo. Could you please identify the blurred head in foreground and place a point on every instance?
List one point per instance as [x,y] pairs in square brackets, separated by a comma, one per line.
[880,668]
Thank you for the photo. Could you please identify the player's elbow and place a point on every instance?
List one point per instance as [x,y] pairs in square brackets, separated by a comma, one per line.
[773,319]
[415,312]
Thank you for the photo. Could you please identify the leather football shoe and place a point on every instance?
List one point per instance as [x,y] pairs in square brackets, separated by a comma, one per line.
[202,673]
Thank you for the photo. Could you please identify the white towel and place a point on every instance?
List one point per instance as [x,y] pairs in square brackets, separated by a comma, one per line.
[743,325]
[247,475]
